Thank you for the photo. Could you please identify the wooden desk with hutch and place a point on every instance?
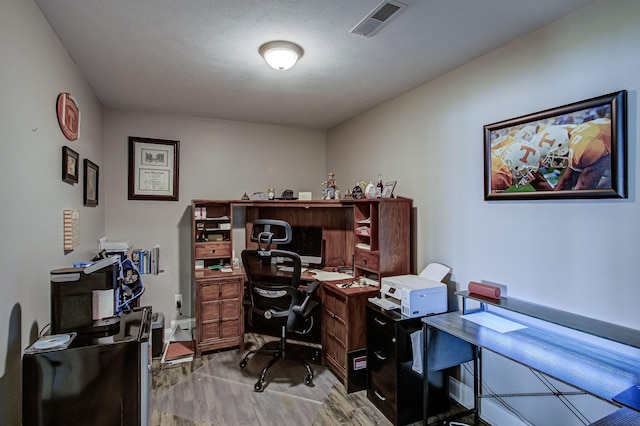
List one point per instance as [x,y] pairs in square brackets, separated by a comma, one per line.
[372,235]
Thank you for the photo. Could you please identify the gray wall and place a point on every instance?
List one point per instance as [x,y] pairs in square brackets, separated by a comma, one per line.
[575,255]
[219,160]
[34,69]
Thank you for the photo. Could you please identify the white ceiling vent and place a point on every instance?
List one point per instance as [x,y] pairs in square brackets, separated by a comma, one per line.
[378,17]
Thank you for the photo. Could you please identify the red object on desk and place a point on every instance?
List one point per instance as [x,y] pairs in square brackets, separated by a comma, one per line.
[484,290]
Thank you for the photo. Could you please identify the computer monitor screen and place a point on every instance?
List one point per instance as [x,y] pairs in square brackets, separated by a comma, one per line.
[306,241]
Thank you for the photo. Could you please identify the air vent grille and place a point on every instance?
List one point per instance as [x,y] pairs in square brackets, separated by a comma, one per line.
[377,18]
[385,13]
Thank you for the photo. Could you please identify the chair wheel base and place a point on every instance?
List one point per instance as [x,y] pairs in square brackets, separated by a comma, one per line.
[243,363]
[308,380]
[259,386]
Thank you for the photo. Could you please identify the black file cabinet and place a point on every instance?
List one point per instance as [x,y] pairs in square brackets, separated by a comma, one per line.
[392,385]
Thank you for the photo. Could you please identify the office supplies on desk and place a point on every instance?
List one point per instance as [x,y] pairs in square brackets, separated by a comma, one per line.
[493,322]
[484,290]
[415,295]
[330,276]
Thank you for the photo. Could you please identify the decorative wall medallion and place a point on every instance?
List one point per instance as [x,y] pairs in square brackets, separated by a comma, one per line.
[68,116]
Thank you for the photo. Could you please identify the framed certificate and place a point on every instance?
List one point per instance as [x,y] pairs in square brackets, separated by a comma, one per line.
[153,169]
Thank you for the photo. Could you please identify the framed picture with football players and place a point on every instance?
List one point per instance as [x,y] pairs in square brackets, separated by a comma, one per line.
[573,151]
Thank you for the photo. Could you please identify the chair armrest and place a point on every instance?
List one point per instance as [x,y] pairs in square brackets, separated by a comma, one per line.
[311,288]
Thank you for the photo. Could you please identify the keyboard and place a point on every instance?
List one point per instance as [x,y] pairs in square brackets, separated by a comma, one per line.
[385,304]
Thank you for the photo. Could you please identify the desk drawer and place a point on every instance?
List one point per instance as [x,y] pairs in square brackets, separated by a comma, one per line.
[380,323]
[219,290]
[367,259]
[335,306]
[213,311]
[383,394]
[381,355]
[220,329]
[212,250]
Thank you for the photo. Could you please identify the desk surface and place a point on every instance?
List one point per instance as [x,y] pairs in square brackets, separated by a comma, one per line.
[613,332]
[591,368]
[305,277]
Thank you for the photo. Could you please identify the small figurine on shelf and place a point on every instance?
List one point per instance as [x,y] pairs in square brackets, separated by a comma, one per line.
[329,191]
[271,193]
[358,191]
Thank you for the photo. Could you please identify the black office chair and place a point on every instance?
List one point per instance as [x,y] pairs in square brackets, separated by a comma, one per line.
[275,294]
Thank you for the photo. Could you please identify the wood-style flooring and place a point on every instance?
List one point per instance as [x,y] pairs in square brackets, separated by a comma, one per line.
[338,408]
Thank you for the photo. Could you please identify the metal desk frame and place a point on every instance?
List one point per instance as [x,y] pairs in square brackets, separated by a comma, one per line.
[597,370]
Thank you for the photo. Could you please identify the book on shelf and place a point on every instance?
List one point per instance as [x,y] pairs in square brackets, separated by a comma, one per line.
[154,259]
[147,261]
[363,246]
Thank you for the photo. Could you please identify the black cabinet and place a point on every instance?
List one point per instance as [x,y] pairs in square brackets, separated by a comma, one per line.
[393,386]
[97,381]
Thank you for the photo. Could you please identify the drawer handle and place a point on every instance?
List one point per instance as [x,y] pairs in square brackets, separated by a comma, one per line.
[379,321]
[213,251]
[380,356]
[382,398]
[364,261]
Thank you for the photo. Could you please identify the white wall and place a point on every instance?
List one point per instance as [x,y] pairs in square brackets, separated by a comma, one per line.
[219,160]
[34,69]
[575,255]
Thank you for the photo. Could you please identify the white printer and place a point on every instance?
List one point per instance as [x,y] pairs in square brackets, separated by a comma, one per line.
[415,295]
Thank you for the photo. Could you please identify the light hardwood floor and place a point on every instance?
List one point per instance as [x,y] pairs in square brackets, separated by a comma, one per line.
[339,408]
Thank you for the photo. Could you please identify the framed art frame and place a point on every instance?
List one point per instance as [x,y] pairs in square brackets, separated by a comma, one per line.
[572,151]
[387,190]
[153,169]
[70,166]
[90,191]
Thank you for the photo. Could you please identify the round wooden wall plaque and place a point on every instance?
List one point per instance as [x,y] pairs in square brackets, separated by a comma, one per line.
[68,116]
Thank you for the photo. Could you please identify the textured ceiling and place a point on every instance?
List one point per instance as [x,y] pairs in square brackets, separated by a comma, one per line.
[200,57]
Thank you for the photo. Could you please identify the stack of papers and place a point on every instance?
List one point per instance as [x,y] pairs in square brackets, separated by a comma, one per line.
[494,322]
[330,276]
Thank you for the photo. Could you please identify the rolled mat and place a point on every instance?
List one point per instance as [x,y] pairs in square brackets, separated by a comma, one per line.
[484,290]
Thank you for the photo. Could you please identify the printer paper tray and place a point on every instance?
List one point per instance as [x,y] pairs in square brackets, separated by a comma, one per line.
[384,303]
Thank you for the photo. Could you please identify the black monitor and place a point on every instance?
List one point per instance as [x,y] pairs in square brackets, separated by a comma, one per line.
[306,241]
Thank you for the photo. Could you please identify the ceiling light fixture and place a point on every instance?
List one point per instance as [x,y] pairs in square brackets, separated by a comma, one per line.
[281,55]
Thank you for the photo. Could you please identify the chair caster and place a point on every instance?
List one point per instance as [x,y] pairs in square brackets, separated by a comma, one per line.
[259,386]
[308,380]
[243,363]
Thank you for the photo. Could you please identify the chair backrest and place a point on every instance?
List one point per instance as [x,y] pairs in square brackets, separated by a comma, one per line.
[273,275]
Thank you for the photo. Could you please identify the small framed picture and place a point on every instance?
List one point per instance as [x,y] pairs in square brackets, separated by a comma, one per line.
[387,191]
[69,165]
[90,183]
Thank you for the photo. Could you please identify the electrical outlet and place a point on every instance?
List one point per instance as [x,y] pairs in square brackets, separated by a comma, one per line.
[178,301]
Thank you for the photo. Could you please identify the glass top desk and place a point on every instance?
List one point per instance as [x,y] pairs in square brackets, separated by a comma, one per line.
[598,358]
